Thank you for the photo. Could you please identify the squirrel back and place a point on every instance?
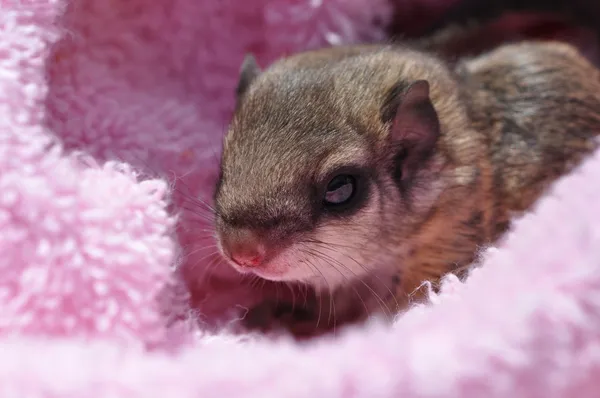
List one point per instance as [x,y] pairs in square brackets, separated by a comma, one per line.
[538,105]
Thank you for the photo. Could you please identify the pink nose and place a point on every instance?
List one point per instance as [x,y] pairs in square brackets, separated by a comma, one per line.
[248,259]
[245,248]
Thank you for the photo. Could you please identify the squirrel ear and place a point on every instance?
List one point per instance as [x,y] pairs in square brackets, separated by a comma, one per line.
[248,72]
[414,124]
[415,120]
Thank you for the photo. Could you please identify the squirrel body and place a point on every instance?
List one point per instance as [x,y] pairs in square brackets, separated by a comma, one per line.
[432,158]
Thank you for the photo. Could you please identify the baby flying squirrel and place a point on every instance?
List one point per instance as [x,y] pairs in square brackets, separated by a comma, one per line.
[384,166]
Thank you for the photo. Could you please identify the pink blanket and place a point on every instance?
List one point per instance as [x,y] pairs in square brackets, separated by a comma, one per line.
[110,285]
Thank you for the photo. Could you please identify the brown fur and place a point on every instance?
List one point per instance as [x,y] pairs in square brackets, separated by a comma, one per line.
[512,121]
[538,107]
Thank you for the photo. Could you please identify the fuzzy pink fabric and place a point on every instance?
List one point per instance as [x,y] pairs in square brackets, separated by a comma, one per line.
[92,92]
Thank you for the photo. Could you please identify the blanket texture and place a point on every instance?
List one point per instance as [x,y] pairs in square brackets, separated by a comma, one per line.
[111,116]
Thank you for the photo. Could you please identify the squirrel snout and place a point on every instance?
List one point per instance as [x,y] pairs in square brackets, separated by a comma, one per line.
[249,259]
[245,249]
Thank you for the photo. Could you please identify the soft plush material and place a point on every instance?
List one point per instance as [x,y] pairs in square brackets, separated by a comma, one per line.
[111,115]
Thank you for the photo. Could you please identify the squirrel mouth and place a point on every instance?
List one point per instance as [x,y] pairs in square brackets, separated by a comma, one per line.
[305,312]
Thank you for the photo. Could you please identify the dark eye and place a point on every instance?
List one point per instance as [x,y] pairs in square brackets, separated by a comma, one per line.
[340,190]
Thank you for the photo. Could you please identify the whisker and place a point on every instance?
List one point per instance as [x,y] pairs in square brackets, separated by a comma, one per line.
[174,179]
[254,280]
[202,249]
[200,238]
[331,302]
[320,296]
[385,285]
[202,216]
[211,232]
[189,196]
[276,294]
[293,296]
[332,295]
[305,295]
[208,270]
[317,254]
[377,297]
[193,200]
[181,180]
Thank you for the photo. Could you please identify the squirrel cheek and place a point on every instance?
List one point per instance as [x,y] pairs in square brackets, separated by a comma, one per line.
[343,250]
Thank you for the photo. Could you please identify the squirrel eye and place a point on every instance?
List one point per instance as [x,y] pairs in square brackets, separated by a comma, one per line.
[340,190]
